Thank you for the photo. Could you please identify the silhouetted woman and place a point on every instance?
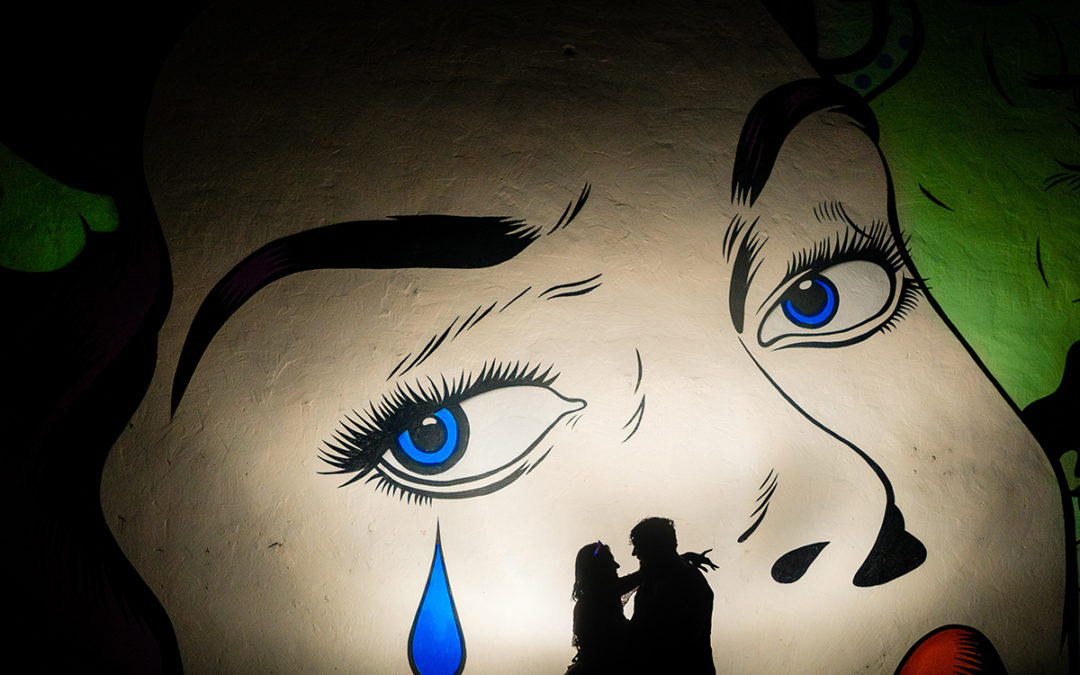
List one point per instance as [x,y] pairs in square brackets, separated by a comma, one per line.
[600,628]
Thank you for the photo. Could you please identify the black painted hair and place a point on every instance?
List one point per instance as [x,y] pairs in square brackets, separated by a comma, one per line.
[775,115]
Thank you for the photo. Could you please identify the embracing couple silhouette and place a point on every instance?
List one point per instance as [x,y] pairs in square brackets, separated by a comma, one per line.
[669,631]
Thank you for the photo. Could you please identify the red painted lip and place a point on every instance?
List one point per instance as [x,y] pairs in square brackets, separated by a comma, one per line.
[951,649]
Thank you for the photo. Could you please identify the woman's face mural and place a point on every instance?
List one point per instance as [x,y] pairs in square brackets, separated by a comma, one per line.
[662,281]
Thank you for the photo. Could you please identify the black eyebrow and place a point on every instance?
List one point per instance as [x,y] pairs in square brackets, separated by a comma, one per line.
[436,241]
[775,115]
[743,269]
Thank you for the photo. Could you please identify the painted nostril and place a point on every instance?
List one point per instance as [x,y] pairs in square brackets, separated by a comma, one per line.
[791,566]
[895,553]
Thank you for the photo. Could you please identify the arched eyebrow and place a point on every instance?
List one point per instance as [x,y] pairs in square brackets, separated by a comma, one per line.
[437,241]
[775,115]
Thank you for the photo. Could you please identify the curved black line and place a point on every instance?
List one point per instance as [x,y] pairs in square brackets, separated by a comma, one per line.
[1055,180]
[640,415]
[896,551]
[486,312]
[383,469]
[437,344]
[767,495]
[905,300]
[746,535]
[918,40]
[486,490]
[731,233]
[1071,175]
[537,462]
[635,414]
[932,198]
[991,70]
[640,371]
[561,218]
[1056,83]
[582,198]
[570,294]
[879,31]
[775,115]
[437,241]
[466,322]
[398,366]
[569,285]
[515,298]
[847,219]
[421,354]
[1038,262]
[771,472]
[742,275]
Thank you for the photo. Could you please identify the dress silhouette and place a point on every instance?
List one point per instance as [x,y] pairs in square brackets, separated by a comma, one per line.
[600,627]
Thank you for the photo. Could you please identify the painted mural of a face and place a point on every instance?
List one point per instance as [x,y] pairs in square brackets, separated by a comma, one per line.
[671,284]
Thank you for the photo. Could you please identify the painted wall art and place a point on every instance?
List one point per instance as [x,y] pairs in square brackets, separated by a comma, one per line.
[356,336]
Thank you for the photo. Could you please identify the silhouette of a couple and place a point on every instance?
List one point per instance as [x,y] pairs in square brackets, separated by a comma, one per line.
[672,620]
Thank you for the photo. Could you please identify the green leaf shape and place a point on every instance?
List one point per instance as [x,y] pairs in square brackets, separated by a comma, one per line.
[42,220]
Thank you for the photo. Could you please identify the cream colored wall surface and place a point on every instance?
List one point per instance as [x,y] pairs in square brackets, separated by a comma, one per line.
[273,121]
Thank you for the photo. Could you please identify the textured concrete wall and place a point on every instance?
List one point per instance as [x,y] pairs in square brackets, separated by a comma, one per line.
[656,348]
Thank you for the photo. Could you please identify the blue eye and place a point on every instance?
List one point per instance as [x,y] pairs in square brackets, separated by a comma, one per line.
[808,311]
[811,303]
[436,443]
[464,439]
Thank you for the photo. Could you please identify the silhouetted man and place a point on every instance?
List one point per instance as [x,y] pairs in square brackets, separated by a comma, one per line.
[672,618]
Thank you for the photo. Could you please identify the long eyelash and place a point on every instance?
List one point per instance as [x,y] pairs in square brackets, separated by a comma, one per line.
[389,487]
[877,244]
[910,294]
[362,438]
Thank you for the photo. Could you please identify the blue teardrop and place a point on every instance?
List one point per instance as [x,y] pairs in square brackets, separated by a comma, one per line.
[436,643]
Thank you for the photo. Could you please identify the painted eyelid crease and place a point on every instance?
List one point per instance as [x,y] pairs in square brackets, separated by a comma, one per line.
[874,246]
[513,424]
[362,444]
[362,438]
[856,293]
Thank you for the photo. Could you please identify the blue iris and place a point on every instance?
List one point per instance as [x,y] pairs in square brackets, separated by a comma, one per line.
[811,303]
[433,441]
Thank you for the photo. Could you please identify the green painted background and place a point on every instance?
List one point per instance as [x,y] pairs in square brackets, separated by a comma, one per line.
[945,127]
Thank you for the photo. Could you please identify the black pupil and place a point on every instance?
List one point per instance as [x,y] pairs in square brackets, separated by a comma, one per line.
[429,436]
[808,301]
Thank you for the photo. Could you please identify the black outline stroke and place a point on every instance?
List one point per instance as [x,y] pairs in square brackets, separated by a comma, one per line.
[437,241]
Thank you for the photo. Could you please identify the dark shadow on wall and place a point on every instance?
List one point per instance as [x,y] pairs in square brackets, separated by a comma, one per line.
[1053,418]
[80,341]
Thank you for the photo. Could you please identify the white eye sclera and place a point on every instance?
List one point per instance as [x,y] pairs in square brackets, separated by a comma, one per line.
[839,304]
[478,445]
